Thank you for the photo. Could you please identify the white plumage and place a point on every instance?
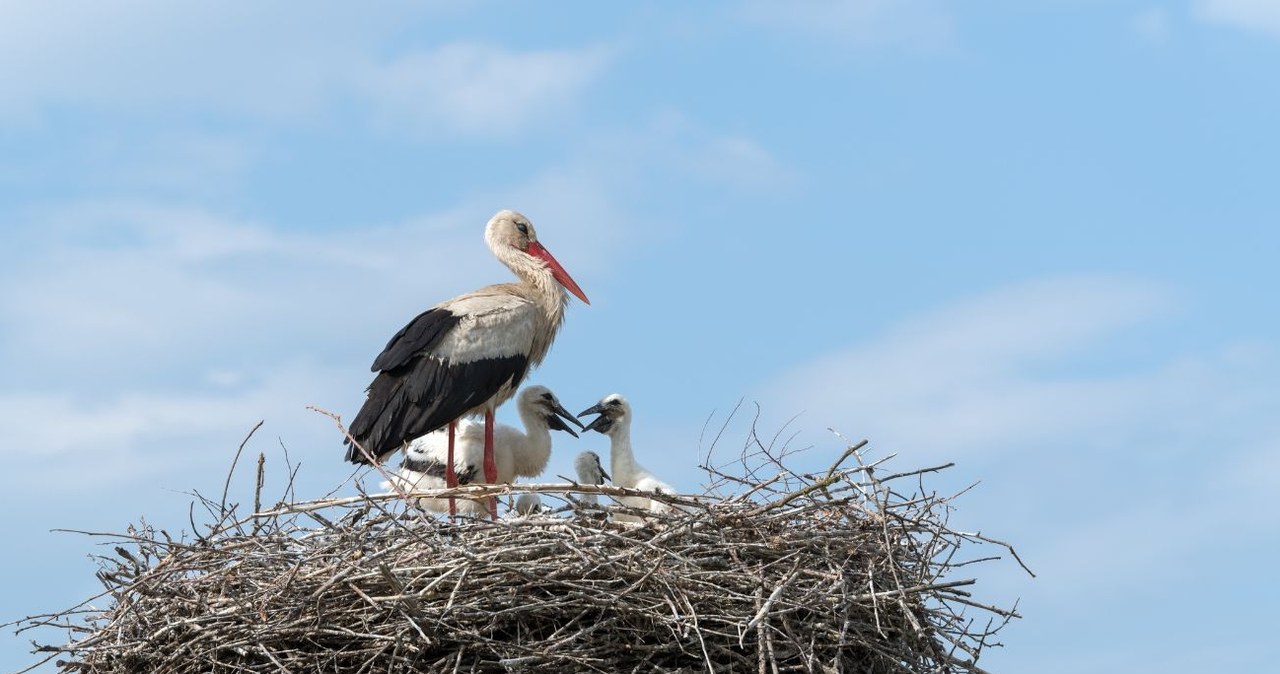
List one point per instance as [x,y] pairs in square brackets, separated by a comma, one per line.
[615,422]
[467,355]
[587,466]
[517,453]
[528,504]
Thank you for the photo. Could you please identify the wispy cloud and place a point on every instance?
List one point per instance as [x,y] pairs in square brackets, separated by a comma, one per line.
[1261,16]
[733,160]
[1207,504]
[966,378]
[672,143]
[477,89]
[140,428]
[114,287]
[271,63]
[254,60]
[188,162]
[916,24]
[1161,446]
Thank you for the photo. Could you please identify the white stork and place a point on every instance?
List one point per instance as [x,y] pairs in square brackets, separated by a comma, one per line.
[467,355]
[587,465]
[615,422]
[528,504]
[516,453]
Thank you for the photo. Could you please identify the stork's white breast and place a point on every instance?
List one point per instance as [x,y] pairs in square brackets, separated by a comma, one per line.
[492,326]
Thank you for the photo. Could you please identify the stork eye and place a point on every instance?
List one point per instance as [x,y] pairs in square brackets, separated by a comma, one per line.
[524,229]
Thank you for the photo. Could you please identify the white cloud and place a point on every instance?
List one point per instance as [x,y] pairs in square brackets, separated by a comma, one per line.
[671,143]
[1216,500]
[143,423]
[273,62]
[478,89]
[918,24]
[732,160]
[965,378]
[207,165]
[1123,473]
[114,281]
[594,202]
[1262,16]
[253,59]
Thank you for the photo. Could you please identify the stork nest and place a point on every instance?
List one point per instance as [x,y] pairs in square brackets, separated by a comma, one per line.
[848,570]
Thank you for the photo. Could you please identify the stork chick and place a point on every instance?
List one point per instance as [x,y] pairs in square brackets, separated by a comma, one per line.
[528,504]
[587,465]
[615,422]
[516,453]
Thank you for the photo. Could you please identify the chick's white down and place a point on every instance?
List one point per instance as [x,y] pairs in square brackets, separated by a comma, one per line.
[587,466]
[517,453]
[528,504]
[615,422]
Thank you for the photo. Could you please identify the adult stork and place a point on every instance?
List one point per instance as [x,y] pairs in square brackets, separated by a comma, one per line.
[516,453]
[615,422]
[467,355]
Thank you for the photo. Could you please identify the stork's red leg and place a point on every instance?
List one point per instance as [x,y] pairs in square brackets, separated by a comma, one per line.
[451,477]
[490,464]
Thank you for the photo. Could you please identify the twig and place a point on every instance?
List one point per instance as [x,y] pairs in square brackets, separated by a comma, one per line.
[226,486]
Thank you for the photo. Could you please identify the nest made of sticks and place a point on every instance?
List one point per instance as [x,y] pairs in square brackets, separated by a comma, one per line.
[849,570]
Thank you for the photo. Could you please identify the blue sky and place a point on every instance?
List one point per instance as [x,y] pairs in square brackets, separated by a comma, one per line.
[1034,238]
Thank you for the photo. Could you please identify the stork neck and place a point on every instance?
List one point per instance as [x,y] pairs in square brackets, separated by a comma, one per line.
[532,272]
[622,461]
[547,292]
[537,452]
[539,286]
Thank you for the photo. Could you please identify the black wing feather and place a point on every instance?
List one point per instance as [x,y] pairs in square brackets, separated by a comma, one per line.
[424,395]
[421,334]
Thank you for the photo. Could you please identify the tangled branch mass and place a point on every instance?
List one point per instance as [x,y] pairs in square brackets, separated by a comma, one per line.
[848,570]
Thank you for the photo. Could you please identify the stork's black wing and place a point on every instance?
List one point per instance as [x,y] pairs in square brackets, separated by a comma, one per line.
[429,375]
[422,334]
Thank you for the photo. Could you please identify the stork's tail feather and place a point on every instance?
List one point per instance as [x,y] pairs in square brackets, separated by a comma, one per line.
[355,454]
[383,421]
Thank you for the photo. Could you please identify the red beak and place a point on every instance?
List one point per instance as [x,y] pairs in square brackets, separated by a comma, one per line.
[561,276]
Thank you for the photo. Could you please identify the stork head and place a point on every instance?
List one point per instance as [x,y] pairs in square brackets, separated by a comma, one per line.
[512,238]
[615,415]
[589,469]
[541,403]
[528,504]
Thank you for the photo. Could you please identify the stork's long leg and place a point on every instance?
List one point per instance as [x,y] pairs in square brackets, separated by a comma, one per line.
[451,477]
[490,464]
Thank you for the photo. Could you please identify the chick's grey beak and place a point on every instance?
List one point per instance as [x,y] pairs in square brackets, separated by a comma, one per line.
[555,424]
[560,410]
[600,424]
